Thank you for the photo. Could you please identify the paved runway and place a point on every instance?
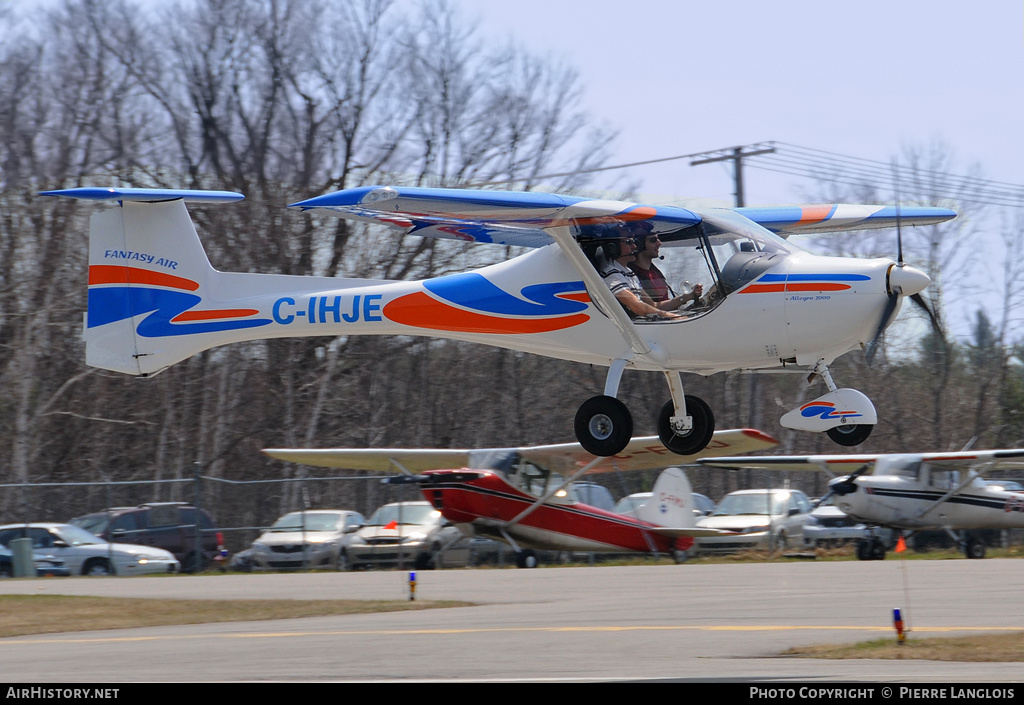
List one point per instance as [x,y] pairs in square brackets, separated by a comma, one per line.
[699,622]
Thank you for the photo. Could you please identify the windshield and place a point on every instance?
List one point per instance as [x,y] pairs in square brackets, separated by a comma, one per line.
[75,536]
[632,503]
[736,504]
[313,522]
[421,514]
[95,523]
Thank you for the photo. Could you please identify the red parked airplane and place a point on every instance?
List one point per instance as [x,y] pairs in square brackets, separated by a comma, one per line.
[526,497]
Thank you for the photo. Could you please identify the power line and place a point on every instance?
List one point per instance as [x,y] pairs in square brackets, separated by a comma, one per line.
[822,165]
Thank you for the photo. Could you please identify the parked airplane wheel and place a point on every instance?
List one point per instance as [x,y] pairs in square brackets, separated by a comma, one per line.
[877,550]
[975,548]
[694,440]
[526,559]
[603,425]
[850,434]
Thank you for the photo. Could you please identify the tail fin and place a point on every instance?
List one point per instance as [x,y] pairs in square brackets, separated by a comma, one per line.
[147,269]
[671,502]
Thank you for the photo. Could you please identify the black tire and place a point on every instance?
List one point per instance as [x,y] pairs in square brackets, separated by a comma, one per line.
[851,434]
[877,550]
[526,559]
[191,565]
[975,549]
[694,440]
[97,566]
[603,426]
[679,556]
[423,562]
[863,550]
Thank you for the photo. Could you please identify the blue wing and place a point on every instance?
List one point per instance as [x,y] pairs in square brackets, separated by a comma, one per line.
[498,217]
[788,220]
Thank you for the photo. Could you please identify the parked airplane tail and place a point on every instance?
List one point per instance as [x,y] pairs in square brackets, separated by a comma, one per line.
[671,503]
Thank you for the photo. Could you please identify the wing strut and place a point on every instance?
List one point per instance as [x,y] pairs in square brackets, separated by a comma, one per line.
[971,475]
[598,290]
[569,480]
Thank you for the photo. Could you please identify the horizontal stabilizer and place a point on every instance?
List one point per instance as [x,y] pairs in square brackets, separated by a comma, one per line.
[146,195]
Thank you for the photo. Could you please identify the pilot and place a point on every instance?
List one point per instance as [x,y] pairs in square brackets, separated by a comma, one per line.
[619,248]
[651,278]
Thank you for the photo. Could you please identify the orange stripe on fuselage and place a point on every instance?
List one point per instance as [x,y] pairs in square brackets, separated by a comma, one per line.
[421,311]
[116,274]
[212,315]
[583,297]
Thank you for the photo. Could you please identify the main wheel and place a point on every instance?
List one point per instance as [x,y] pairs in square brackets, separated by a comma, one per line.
[850,434]
[694,440]
[975,548]
[526,559]
[603,425]
[863,550]
[877,550]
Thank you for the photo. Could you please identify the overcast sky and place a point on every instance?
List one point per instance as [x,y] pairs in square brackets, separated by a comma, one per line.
[859,79]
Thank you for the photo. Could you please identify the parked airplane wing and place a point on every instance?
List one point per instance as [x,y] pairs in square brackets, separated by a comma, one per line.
[839,464]
[642,453]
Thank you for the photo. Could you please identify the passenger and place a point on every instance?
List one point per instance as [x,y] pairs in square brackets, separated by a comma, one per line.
[651,278]
[619,248]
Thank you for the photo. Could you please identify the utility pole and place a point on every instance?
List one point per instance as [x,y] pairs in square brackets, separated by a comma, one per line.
[736,154]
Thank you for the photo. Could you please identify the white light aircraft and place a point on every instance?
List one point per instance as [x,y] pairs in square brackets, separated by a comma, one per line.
[920,491]
[525,497]
[155,300]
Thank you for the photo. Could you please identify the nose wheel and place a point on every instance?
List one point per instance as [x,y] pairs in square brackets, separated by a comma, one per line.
[850,434]
[687,441]
[603,425]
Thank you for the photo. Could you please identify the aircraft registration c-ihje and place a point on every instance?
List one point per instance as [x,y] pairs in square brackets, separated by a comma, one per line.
[911,491]
[155,300]
[525,496]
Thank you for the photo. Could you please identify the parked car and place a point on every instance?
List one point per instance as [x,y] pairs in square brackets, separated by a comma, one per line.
[1007,485]
[409,534]
[166,525]
[631,504]
[834,527]
[306,539]
[46,566]
[85,554]
[764,520]
[593,494]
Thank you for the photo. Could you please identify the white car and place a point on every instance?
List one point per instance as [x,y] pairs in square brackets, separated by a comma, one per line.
[85,554]
[307,539]
[409,534]
[762,520]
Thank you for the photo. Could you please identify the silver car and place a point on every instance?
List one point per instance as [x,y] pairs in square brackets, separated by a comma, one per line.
[762,520]
[409,534]
[305,539]
[85,554]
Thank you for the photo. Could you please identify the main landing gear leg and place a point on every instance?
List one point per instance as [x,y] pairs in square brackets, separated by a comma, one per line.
[685,424]
[603,424]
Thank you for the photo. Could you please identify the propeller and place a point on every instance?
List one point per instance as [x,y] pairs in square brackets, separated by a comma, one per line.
[901,280]
[844,486]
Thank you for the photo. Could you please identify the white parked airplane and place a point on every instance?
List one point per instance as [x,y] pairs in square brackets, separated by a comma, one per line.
[911,491]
